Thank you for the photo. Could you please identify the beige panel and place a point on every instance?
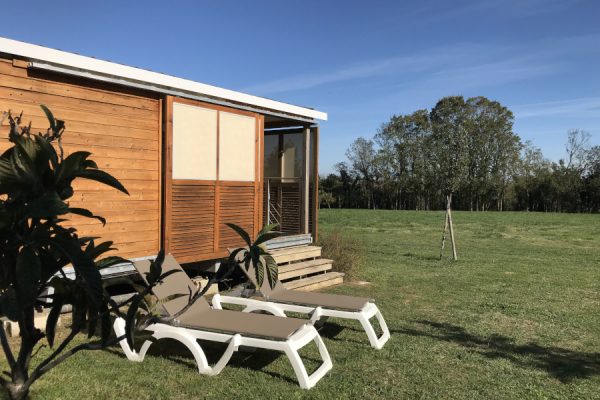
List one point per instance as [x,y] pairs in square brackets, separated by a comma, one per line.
[237,146]
[289,162]
[194,142]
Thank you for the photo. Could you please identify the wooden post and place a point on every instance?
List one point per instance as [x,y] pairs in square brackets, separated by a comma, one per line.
[452,235]
[448,224]
[306,182]
[315,177]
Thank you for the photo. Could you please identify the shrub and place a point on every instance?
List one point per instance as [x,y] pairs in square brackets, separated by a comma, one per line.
[347,252]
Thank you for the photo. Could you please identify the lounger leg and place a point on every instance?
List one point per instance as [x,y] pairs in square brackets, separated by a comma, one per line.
[191,343]
[131,354]
[308,381]
[364,319]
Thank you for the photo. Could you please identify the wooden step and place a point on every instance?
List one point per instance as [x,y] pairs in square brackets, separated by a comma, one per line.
[294,270]
[289,240]
[315,282]
[296,253]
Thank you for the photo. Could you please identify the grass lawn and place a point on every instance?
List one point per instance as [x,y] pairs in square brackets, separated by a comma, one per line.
[517,317]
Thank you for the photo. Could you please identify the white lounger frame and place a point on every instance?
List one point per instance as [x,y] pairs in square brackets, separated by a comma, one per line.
[363,316]
[189,338]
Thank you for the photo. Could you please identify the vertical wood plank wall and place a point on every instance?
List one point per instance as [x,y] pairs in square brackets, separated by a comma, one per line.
[196,211]
[121,128]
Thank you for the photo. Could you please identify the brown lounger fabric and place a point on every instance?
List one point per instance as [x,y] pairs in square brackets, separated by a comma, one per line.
[201,316]
[325,300]
[280,294]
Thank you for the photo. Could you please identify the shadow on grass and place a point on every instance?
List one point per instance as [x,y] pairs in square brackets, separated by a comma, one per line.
[563,364]
[421,257]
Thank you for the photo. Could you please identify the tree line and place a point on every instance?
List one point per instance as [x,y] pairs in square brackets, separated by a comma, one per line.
[463,151]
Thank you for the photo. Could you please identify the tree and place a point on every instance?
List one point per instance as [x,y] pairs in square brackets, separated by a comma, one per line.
[577,148]
[362,157]
[403,143]
[450,140]
[592,180]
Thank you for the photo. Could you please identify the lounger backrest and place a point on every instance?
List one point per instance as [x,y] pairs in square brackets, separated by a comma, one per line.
[250,273]
[177,283]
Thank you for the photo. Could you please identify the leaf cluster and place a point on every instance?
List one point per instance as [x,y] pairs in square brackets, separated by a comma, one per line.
[36,182]
[255,254]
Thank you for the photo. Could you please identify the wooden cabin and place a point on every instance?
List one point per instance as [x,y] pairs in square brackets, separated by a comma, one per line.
[193,156]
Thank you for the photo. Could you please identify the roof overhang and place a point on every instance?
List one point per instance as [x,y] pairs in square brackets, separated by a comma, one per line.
[74,64]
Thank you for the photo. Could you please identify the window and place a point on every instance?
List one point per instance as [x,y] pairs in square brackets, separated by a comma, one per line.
[237,147]
[271,156]
[194,142]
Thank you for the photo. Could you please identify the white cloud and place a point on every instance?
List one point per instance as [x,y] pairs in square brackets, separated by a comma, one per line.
[403,64]
[587,106]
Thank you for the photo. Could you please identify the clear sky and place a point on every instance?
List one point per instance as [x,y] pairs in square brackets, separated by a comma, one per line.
[359,61]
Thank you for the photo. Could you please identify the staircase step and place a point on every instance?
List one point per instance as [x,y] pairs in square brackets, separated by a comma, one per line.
[296,253]
[303,268]
[316,281]
[289,240]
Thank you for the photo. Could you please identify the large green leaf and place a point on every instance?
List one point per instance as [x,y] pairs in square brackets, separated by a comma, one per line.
[94,251]
[267,228]
[70,167]
[52,320]
[92,316]
[47,148]
[240,231]
[25,167]
[86,213]
[272,270]
[50,116]
[6,171]
[49,205]
[28,271]
[259,273]
[155,268]
[265,237]
[103,177]
[6,219]
[10,306]
[79,312]
[83,265]
[130,320]
[105,325]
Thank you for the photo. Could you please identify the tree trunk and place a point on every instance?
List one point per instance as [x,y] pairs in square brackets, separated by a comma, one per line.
[17,390]
[444,234]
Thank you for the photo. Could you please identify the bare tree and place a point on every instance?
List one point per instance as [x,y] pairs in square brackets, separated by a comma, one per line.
[578,145]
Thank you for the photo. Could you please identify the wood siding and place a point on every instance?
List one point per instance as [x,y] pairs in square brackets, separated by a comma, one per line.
[196,211]
[120,127]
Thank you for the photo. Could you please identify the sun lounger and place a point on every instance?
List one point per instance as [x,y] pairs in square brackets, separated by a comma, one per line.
[201,321]
[278,300]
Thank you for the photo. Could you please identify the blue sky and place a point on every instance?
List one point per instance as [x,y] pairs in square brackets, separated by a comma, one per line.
[360,61]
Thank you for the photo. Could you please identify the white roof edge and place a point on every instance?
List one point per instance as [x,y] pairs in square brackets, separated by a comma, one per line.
[40,53]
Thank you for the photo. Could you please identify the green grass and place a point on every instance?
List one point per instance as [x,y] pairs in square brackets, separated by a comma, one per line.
[517,317]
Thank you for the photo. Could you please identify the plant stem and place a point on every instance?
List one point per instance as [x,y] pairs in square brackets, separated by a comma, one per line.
[6,347]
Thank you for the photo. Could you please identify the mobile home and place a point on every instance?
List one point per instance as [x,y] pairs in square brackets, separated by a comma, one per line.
[193,156]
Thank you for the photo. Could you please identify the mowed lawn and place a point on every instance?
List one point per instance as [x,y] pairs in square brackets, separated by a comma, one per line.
[517,317]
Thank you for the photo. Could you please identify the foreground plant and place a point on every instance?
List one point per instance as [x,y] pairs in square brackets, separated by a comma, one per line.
[35,184]
[256,253]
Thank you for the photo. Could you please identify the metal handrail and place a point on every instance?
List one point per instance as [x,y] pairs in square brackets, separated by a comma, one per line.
[275,209]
